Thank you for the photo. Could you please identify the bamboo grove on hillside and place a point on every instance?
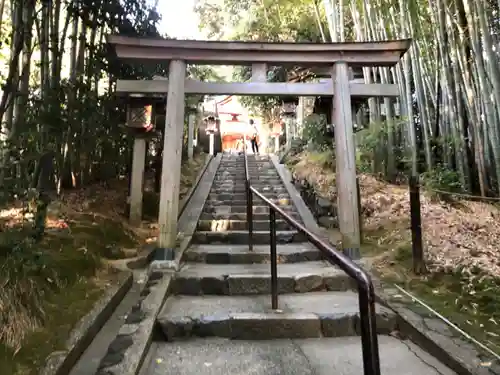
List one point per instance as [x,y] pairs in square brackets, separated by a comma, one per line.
[58,106]
[57,83]
[447,120]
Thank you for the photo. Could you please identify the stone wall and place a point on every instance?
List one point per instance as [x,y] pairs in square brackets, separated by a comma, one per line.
[324,210]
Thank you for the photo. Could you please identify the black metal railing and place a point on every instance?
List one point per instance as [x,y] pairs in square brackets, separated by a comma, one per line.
[366,292]
[249,196]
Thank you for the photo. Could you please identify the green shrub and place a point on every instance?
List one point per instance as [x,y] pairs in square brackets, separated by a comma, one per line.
[314,132]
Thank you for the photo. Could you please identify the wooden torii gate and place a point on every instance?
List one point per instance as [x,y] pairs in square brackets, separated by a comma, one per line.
[336,56]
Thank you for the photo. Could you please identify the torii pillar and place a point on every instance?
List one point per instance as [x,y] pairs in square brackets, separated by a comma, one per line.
[345,155]
[172,158]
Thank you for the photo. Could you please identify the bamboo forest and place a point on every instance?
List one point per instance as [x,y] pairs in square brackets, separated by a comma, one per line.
[445,122]
[66,153]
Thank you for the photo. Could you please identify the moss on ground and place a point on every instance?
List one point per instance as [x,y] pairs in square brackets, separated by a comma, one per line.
[47,287]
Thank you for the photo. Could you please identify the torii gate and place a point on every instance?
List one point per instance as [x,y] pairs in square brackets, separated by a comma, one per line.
[337,56]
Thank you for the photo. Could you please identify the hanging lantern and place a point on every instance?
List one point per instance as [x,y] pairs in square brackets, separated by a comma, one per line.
[289,106]
[212,123]
[140,113]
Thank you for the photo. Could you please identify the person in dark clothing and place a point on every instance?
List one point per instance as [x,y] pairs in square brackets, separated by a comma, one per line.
[253,139]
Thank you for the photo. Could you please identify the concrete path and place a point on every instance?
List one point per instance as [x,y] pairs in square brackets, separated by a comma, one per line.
[326,356]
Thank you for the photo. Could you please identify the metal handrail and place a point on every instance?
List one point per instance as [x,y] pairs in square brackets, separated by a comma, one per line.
[249,196]
[366,291]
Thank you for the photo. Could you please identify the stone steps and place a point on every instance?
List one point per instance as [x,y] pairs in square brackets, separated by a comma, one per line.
[254,173]
[240,216]
[231,182]
[320,314]
[254,176]
[231,197]
[218,318]
[223,219]
[326,356]
[264,189]
[230,208]
[240,254]
[241,237]
[282,202]
[250,279]
[239,225]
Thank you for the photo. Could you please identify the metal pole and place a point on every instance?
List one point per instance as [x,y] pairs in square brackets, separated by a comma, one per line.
[274,259]
[358,191]
[250,217]
[369,339]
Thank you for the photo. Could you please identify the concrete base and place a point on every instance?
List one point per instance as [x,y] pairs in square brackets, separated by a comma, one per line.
[291,357]
[163,254]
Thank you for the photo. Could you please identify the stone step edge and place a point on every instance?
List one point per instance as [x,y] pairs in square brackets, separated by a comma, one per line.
[273,325]
[187,283]
[243,209]
[250,257]
[237,221]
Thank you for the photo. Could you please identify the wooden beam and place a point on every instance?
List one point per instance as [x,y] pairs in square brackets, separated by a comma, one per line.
[137,179]
[172,154]
[373,90]
[380,53]
[345,155]
[256,88]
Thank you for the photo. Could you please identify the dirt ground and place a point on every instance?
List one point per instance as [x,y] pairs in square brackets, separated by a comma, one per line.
[461,242]
[46,287]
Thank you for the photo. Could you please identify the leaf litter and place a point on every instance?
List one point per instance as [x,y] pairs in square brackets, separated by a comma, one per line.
[459,235]
[461,244]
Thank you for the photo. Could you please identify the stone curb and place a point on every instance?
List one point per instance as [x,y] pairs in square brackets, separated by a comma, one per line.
[126,353]
[143,261]
[437,338]
[273,325]
[304,211]
[186,199]
[189,219]
[61,362]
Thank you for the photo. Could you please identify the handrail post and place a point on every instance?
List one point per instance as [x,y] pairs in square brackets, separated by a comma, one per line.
[368,327]
[249,196]
[274,259]
[250,216]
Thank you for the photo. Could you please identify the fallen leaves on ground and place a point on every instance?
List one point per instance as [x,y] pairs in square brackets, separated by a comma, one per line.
[458,235]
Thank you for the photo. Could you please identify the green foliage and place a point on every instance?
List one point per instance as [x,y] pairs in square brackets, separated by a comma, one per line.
[372,142]
[314,132]
[267,20]
[442,178]
[324,159]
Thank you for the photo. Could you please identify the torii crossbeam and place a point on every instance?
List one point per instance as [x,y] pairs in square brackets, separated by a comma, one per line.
[335,56]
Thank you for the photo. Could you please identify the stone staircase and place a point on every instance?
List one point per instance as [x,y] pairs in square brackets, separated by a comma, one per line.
[219,318]
[224,216]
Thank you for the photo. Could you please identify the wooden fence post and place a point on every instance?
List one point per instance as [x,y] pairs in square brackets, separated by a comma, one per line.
[416,227]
